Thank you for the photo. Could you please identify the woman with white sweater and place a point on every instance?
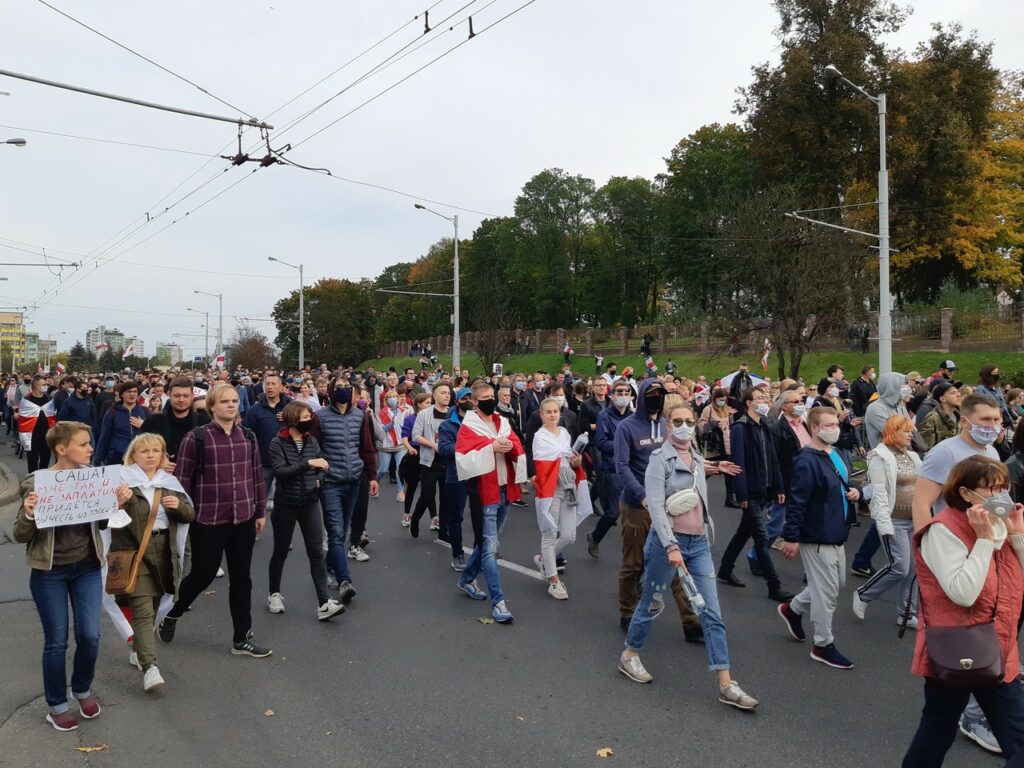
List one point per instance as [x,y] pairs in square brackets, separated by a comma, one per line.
[893,470]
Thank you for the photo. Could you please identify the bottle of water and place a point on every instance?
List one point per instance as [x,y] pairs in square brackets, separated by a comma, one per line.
[695,597]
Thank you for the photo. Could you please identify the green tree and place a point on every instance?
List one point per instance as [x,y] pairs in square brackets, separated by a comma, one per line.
[79,358]
[338,324]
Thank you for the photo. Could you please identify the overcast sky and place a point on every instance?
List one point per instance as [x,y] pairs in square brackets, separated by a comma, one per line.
[595,87]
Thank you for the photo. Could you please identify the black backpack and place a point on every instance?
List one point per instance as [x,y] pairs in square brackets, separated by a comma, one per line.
[197,435]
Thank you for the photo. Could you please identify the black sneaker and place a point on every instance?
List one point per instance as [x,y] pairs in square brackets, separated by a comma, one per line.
[866,573]
[779,595]
[166,628]
[830,656]
[794,622]
[248,647]
[518,503]
[347,592]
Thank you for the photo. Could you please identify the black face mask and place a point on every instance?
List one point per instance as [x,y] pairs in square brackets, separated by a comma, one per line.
[655,402]
[465,406]
[304,427]
[343,395]
[486,407]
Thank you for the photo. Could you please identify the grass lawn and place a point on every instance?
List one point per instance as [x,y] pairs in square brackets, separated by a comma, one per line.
[812,366]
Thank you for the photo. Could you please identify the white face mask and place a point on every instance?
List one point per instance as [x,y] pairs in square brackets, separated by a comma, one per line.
[720,403]
[829,436]
[872,376]
[622,401]
[683,432]
[799,410]
[833,392]
[762,409]
[560,399]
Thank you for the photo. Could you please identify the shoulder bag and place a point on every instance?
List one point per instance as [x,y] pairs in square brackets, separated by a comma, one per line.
[123,565]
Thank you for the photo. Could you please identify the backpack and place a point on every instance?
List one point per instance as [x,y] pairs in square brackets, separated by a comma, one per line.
[197,435]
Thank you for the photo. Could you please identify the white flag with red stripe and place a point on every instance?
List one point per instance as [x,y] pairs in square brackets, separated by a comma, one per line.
[549,451]
[102,346]
[28,417]
[128,352]
[61,369]
[475,456]
[219,361]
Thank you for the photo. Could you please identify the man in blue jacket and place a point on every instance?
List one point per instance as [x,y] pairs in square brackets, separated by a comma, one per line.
[78,406]
[120,424]
[759,484]
[818,518]
[636,438]
[457,491]
[264,418]
[609,488]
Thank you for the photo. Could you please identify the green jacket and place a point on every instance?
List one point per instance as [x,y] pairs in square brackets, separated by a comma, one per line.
[39,543]
[938,426]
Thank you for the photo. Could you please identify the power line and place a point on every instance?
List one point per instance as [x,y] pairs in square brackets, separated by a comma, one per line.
[144,58]
[106,141]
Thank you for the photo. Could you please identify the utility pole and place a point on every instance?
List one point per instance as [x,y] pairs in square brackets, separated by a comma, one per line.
[456,343]
[302,310]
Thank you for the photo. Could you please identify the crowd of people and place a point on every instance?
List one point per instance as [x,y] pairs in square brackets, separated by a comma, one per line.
[209,457]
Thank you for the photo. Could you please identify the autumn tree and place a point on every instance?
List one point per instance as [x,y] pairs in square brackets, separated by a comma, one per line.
[250,349]
[338,323]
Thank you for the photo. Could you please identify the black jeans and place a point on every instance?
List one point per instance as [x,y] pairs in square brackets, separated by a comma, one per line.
[209,544]
[1002,704]
[409,472]
[39,456]
[752,525]
[359,514]
[311,523]
[430,478]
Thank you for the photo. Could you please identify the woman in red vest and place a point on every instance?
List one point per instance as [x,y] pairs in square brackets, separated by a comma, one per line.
[969,569]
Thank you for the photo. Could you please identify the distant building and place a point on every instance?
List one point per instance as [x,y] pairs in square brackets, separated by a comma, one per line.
[31,351]
[168,353]
[12,336]
[46,349]
[138,344]
[101,338]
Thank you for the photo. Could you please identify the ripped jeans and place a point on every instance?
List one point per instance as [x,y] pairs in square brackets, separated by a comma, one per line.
[656,584]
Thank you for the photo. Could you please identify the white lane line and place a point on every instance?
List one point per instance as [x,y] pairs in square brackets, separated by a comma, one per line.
[533,574]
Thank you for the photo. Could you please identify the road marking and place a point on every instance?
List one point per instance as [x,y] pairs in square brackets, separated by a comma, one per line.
[503,563]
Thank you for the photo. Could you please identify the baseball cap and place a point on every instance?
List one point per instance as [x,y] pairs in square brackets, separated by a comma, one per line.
[462,392]
[949,365]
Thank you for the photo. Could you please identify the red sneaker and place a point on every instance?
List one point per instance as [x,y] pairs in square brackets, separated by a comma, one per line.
[64,721]
[89,707]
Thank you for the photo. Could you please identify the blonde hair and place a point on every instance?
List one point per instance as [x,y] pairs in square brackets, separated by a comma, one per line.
[217,391]
[141,442]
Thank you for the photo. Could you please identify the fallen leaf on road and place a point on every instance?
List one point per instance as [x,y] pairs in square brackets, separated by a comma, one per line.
[518,717]
[605,752]
[211,592]
[95,748]
[269,713]
[330,732]
[486,620]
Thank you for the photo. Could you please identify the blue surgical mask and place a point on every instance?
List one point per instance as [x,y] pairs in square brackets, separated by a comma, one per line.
[520,385]
[983,434]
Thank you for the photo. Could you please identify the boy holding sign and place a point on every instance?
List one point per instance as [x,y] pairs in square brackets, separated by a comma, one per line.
[65,562]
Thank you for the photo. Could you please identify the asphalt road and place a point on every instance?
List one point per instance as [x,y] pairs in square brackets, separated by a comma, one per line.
[409,676]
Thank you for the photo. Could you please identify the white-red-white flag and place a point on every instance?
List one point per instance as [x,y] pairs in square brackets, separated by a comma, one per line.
[765,354]
[128,352]
[61,369]
[220,361]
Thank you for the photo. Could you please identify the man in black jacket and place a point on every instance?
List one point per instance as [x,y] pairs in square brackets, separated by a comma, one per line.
[177,418]
[862,389]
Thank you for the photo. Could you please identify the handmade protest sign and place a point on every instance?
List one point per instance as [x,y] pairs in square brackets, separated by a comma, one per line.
[72,496]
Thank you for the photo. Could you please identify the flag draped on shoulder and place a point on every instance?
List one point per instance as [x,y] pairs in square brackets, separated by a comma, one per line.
[549,451]
[28,416]
[475,457]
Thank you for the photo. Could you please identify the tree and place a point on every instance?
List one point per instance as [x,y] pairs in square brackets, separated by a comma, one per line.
[79,358]
[339,323]
[250,349]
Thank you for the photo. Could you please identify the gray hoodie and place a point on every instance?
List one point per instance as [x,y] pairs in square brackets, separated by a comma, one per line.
[889,403]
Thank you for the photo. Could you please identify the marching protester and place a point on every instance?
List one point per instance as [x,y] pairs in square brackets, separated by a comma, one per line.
[298,467]
[219,467]
[456,491]
[65,563]
[178,418]
[609,486]
[409,469]
[713,433]
[424,437]
[159,513]
[264,419]
[35,417]
[676,485]
[120,425]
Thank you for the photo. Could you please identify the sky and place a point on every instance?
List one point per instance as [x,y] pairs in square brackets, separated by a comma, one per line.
[595,87]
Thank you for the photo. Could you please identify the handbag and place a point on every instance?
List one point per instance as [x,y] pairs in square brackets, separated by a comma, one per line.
[965,657]
[123,565]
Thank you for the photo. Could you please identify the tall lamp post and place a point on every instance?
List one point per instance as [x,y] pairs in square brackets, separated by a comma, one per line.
[884,299]
[207,327]
[456,345]
[49,347]
[302,311]
[16,142]
[220,323]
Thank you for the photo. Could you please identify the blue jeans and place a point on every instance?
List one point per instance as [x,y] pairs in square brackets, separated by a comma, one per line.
[82,584]
[339,502]
[773,526]
[657,584]
[384,465]
[1002,704]
[485,556]
[609,490]
[455,497]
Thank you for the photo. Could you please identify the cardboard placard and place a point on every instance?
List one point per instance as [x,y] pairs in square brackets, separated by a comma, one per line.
[74,496]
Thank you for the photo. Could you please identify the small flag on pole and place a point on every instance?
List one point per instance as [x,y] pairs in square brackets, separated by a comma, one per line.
[61,369]
[766,353]
[128,352]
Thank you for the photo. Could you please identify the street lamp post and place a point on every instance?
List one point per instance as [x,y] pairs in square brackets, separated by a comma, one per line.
[49,347]
[884,299]
[456,344]
[302,311]
[206,347]
[16,142]
[220,323]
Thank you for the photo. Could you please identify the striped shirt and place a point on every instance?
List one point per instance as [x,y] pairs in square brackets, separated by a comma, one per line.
[230,489]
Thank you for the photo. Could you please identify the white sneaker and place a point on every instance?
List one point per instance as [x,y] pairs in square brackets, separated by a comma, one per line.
[558,591]
[631,667]
[435,525]
[911,622]
[332,583]
[539,562]
[859,606]
[275,603]
[329,609]
[220,573]
[358,554]
[406,520]
[133,659]
[401,496]
[152,679]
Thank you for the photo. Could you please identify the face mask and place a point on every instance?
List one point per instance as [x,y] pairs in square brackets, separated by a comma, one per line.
[622,401]
[906,391]
[999,505]
[799,411]
[612,373]
[560,399]
[304,426]
[829,436]
[872,376]
[983,434]
[762,409]
[683,432]
[392,401]
[720,403]
[343,395]
[520,385]
[465,406]
[486,407]
[833,392]
[362,405]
